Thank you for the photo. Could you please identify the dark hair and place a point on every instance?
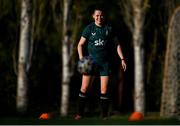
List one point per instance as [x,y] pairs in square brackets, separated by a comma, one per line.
[99,7]
[96,7]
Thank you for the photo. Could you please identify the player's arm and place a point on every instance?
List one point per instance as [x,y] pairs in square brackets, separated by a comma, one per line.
[80,47]
[120,53]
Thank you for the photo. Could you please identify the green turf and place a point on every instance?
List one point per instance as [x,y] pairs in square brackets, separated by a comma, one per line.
[114,120]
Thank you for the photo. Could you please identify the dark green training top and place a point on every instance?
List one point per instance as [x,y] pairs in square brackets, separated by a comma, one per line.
[100,40]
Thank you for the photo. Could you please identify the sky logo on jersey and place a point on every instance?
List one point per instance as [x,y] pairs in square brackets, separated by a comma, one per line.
[99,42]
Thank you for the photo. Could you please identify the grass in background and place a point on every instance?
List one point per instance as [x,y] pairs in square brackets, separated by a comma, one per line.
[113,120]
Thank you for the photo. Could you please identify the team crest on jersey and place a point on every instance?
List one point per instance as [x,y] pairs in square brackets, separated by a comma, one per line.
[107,32]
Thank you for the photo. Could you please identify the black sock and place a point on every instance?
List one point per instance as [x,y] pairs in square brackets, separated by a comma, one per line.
[104,105]
[82,103]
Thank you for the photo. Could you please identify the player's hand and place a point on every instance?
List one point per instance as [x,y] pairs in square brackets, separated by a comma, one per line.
[124,66]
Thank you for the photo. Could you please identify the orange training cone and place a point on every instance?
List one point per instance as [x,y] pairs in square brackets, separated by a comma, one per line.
[136,116]
[44,116]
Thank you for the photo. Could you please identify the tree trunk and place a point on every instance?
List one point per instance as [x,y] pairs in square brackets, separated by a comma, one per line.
[138,20]
[65,78]
[170,101]
[65,60]
[24,54]
[139,96]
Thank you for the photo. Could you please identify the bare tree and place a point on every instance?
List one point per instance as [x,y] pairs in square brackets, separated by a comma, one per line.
[25,52]
[66,71]
[134,15]
[139,16]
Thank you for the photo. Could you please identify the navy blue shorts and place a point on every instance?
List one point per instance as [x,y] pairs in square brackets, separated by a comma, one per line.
[102,69]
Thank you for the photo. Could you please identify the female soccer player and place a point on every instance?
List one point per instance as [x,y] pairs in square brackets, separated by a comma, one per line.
[98,36]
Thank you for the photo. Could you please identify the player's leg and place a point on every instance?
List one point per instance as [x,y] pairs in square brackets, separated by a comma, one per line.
[104,97]
[86,83]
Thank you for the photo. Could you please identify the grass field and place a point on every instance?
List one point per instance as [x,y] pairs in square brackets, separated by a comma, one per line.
[113,120]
